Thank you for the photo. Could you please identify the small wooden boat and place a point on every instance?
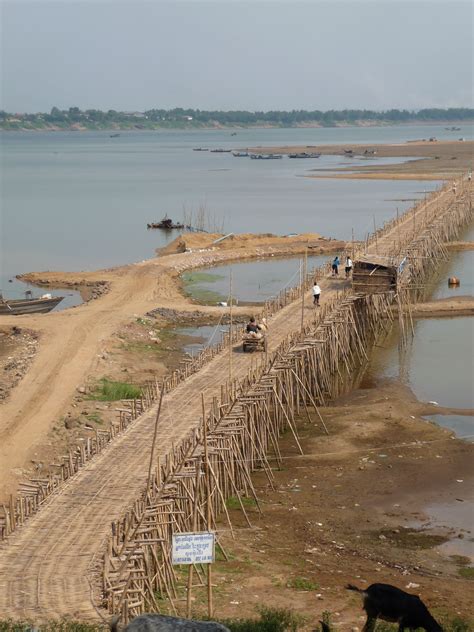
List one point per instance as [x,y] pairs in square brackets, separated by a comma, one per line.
[201,149]
[221,151]
[265,156]
[304,154]
[166,224]
[29,305]
[114,135]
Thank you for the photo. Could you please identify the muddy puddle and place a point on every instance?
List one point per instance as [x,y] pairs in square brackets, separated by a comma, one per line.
[455,519]
[252,282]
[195,339]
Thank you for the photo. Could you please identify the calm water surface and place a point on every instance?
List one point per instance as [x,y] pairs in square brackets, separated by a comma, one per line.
[81,200]
[438,362]
[252,282]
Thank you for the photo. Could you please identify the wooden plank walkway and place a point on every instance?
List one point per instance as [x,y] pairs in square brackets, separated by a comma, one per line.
[47,566]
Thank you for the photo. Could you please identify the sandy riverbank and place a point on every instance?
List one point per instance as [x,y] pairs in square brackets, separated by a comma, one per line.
[437,160]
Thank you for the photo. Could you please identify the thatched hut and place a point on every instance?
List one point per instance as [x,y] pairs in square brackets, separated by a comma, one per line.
[373,275]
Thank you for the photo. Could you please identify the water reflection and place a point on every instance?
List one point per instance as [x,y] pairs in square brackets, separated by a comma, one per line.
[252,282]
[201,336]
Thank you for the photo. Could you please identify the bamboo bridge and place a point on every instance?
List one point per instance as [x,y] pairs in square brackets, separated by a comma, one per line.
[95,538]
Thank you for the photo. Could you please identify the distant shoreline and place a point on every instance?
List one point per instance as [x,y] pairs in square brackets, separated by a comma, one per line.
[232,127]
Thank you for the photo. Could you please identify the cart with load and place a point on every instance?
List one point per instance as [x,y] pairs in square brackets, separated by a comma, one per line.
[254,342]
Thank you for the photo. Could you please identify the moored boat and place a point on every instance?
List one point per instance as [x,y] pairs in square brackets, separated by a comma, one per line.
[265,156]
[240,154]
[29,305]
[304,154]
[166,224]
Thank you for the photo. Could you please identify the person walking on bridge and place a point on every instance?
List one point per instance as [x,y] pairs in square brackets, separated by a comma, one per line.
[316,293]
[348,267]
[335,266]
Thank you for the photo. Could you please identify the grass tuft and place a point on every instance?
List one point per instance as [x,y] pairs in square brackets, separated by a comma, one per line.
[302,583]
[95,417]
[467,572]
[109,391]
[271,620]
[233,502]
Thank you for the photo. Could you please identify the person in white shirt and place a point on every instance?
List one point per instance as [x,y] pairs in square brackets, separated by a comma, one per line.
[316,293]
[348,267]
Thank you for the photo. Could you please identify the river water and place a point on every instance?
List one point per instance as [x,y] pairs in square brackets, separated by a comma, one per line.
[81,200]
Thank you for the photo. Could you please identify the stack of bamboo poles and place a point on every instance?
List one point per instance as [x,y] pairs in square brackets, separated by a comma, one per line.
[309,368]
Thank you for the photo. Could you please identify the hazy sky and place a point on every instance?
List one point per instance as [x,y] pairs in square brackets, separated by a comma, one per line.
[227,54]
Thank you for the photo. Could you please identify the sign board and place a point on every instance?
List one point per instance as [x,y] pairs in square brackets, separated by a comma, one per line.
[193,548]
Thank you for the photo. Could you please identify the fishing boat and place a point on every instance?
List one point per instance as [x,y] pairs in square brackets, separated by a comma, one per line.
[166,224]
[201,149]
[304,154]
[265,156]
[240,154]
[221,151]
[29,304]
[114,135]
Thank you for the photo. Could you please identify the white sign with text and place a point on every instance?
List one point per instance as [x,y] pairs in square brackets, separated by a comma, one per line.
[193,548]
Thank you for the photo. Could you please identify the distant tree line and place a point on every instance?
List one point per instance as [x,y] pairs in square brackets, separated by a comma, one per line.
[180,117]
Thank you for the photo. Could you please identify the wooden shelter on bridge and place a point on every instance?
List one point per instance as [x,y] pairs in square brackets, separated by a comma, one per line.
[373,274]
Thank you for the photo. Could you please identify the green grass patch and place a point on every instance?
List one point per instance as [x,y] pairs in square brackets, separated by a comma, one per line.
[233,502]
[95,417]
[139,346]
[302,583]
[190,278]
[467,572]
[146,322]
[270,620]
[109,391]
[413,539]
[192,281]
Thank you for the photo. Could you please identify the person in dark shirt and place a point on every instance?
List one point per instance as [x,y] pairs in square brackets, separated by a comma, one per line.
[252,327]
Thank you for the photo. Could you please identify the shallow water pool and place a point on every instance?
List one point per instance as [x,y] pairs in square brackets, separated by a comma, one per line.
[252,282]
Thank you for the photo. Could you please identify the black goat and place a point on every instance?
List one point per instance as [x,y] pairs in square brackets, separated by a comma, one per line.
[395,605]
[163,623]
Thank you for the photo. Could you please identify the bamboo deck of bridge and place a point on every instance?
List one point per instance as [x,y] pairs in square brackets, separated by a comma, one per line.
[54,564]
